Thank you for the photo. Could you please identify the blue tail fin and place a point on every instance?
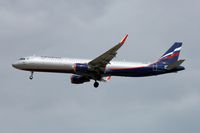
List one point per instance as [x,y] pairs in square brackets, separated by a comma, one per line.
[171,55]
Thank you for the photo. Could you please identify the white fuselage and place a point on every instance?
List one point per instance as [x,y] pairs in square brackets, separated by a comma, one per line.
[63,65]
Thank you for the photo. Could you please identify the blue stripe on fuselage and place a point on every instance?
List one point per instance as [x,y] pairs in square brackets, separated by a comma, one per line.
[140,71]
[135,72]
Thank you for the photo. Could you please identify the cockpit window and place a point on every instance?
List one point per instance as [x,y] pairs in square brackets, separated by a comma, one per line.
[22,59]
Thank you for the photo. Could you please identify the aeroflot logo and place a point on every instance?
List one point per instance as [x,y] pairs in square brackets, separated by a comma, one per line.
[172,53]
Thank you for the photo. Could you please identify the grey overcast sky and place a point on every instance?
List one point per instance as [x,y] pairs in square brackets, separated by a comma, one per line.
[86,28]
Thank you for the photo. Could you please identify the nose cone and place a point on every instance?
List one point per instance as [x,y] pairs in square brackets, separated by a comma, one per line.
[15,65]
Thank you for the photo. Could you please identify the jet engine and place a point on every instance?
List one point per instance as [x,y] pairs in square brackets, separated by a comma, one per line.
[77,79]
[81,68]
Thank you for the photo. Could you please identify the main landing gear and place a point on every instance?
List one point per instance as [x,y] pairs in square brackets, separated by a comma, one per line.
[96,84]
[31,77]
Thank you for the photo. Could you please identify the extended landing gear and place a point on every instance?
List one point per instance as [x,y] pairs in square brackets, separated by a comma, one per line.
[31,77]
[96,84]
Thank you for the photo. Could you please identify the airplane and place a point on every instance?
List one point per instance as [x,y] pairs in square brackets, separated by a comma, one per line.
[102,68]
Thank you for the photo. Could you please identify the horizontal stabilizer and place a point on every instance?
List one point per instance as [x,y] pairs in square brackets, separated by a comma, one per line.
[175,64]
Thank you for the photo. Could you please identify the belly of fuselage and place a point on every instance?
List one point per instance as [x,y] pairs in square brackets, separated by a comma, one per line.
[132,72]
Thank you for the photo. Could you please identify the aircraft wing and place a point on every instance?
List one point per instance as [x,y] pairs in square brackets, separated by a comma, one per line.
[99,63]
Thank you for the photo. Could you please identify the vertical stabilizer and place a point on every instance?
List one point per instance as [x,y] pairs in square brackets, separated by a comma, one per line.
[171,55]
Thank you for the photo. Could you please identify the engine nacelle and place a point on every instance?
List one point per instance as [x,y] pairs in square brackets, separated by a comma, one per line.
[77,79]
[81,68]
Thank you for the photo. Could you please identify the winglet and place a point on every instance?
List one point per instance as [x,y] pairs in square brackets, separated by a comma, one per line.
[124,39]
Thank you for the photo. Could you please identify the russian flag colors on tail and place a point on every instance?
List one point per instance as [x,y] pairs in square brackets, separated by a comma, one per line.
[171,55]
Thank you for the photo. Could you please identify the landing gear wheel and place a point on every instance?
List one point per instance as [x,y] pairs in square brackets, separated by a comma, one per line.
[96,84]
[31,77]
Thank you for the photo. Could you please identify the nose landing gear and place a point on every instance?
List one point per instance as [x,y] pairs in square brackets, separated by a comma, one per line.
[31,77]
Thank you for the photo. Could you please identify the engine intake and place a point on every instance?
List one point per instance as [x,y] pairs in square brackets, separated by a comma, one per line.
[81,68]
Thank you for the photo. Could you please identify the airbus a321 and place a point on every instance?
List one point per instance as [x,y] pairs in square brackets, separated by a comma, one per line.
[102,68]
